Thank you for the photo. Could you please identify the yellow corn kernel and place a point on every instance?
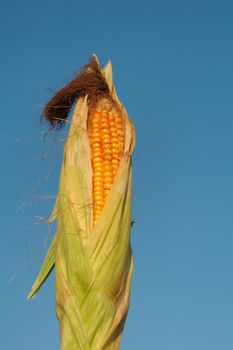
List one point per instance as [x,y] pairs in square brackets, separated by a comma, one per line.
[106,134]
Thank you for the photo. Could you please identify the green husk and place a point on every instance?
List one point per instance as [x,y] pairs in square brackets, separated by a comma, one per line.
[93,267]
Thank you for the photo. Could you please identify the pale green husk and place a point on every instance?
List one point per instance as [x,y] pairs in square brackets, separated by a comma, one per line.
[93,267]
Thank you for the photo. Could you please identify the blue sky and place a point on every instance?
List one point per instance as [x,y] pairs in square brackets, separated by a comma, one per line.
[173,70]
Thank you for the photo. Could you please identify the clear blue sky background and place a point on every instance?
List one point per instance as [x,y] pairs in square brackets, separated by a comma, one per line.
[173,70]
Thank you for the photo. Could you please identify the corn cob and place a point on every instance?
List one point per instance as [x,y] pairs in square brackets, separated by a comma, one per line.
[106,133]
[91,250]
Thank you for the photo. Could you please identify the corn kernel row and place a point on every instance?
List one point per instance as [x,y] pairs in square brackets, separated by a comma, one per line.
[106,134]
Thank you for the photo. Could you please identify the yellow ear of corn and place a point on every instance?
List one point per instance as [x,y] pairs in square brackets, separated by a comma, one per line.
[91,250]
[106,134]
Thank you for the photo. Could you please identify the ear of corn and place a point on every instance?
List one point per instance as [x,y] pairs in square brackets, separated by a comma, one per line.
[106,134]
[91,250]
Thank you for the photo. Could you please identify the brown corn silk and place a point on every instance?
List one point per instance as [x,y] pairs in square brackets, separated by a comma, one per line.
[91,250]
